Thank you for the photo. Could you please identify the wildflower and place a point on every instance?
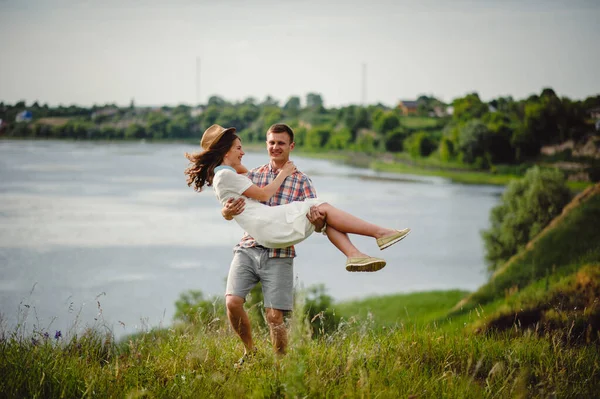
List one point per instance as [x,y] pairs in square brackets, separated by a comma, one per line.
[46,335]
[34,341]
[57,334]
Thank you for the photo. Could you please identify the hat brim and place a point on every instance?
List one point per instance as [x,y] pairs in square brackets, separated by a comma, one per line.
[224,132]
[216,140]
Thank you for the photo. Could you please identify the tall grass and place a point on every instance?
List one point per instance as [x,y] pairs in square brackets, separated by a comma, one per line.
[358,359]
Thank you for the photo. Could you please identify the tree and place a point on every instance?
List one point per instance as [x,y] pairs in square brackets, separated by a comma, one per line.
[210,115]
[216,101]
[473,140]
[340,139]
[394,141]
[365,142]
[446,149]
[247,113]
[419,145]
[156,126]
[180,126]
[468,107]
[527,207]
[386,123]
[314,100]
[271,115]
[501,128]
[292,106]
[135,131]
[317,137]
[230,117]
[269,102]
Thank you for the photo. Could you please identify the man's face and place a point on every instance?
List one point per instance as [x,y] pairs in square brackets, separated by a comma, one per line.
[279,147]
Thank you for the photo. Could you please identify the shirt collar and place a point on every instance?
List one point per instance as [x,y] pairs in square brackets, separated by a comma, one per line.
[272,168]
[223,167]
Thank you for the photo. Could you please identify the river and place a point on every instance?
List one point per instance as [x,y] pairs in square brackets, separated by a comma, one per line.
[110,233]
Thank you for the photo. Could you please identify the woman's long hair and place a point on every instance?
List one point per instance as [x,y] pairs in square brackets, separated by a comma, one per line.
[201,169]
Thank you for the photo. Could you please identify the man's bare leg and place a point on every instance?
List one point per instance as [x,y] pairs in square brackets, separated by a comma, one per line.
[279,337]
[239,320]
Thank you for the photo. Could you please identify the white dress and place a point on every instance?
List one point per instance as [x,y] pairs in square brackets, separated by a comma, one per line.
[278,226]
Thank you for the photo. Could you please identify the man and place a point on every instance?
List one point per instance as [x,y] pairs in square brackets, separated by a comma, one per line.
[273,267]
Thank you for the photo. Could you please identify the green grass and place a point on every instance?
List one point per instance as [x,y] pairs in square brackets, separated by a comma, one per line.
[464,177]
[355,361]
[393,310]
[421,122]
[561,250]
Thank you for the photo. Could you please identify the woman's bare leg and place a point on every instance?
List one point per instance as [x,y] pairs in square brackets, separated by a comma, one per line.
[343,243]
[346,223]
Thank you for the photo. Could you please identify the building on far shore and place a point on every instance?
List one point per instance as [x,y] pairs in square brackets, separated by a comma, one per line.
[24,116]
[408,107]
[594,113]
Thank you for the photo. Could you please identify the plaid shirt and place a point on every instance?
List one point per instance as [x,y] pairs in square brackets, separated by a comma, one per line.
[296,187]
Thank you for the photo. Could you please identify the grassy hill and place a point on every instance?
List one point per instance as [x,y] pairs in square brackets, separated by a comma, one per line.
[532,331]
[554,284]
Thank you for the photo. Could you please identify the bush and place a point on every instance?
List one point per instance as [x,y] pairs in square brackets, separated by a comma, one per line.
[318,307]
[395,139]
[419,145]
[528,205]
[192,307]
[317,137]
[473,141]
[446,149]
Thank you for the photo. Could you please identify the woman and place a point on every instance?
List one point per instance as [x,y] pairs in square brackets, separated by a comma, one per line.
[219,166]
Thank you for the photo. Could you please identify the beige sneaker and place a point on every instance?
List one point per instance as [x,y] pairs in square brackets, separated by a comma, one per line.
[367,264]
[245,358]
[390,240]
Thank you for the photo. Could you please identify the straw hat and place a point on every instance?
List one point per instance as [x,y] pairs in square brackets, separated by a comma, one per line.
[212,135]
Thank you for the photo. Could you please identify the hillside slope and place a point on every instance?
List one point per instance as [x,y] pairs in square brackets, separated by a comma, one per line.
[554,283]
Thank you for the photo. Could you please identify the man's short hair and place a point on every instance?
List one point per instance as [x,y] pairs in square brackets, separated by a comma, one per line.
[282,128]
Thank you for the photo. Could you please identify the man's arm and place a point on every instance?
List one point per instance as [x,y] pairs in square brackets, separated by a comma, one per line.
[233,208]
[314,216]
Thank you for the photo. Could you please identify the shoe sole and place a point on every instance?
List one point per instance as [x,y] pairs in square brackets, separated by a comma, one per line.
[389,244]
[366,267]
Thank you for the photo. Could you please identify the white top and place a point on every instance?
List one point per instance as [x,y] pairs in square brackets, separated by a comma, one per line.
[278,226]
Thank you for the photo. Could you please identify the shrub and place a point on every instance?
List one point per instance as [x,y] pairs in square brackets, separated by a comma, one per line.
[395,139]
[528,205]
[318,307]
[419,145]
[446,149]
[192,307]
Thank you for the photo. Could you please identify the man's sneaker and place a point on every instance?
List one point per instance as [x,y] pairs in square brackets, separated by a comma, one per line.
[367,264]
[390,240]
[245,358]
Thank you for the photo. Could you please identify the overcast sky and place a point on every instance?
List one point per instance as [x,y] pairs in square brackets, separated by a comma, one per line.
[104,51]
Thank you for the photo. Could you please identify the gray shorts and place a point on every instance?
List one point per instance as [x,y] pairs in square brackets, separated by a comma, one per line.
[251,265]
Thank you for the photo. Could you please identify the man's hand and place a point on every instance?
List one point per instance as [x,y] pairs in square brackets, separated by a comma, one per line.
[233,208]
[316,218]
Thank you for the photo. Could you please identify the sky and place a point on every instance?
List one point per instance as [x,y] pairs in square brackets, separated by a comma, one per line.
[173,52]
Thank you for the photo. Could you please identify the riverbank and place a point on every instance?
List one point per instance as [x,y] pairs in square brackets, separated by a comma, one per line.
[386,162]
[403,164]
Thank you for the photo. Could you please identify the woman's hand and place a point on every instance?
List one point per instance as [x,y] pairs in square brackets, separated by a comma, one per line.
[288,169]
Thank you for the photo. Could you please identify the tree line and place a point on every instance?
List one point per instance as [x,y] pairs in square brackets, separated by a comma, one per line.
[482,134]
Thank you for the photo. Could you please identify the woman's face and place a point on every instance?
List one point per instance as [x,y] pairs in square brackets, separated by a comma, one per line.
[235,153]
